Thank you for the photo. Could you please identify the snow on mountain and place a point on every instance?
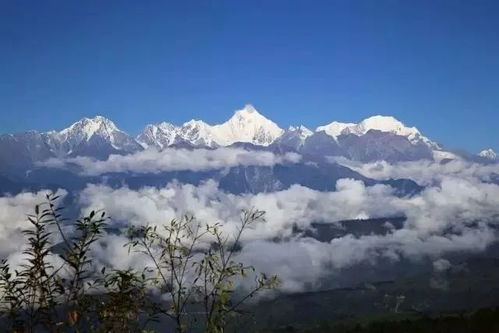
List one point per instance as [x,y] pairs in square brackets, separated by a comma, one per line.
[293,138]
[488,154]
[89,133]
[383,124]
[301,131]
[159,136]
[162,135]
[97,137]
[335,128]
[377,137]
[196,133]
[247,125]
[380,123]
[85,128]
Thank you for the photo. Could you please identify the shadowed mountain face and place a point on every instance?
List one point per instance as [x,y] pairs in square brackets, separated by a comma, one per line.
[269,179]
[321,144]
[23,149]
[376,145]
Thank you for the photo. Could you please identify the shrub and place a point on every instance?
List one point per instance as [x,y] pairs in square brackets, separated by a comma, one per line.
[193,264]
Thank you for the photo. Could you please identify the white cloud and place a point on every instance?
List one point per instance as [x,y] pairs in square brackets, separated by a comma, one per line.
[453,214]
[426,173]
[302,263]
[173,159]
[296,206]
[441,265]
[13,217]
[438,221]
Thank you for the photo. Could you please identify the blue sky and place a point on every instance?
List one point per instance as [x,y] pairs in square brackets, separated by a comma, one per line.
[432,64]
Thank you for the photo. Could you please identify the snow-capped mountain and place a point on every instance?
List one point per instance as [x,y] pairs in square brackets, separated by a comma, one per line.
[88,134]
[196,133]
[301,131]
[292,139]
[335,129]
[246,125]
[488,154]
[159,136]
[84,129]
[374,138]
[96,137]
[249,126]
[380,123]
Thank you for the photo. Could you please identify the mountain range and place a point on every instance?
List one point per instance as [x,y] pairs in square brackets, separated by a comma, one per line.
[373,139]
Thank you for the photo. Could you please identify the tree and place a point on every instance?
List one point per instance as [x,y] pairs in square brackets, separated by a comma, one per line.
[58,288]
[195,265]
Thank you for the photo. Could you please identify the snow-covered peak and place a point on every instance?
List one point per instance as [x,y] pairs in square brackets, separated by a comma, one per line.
[196,132]
[249,116]
[193,123]
[386,124]
[88,136]
[85,128]
[488,154]
[392,125]
[301,130]
[247,111]
[158,135]
[293,138]
[335,128]
[195,128]
[164,126]
[247,125]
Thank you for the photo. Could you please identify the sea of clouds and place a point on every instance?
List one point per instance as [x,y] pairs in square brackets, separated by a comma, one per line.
[457,211]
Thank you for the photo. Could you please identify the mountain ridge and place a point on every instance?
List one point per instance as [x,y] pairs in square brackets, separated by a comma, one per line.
[269,132]
[246,125]
[374,138]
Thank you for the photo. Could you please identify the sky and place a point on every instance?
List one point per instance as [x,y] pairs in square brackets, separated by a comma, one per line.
[431,64]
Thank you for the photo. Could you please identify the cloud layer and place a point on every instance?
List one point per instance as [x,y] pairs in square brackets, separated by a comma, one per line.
[457,211]
[455,216]
[13,219]
[423,172]
[173,159]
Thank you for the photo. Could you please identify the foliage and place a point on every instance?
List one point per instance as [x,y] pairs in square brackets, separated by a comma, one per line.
[58,288]
[193,274]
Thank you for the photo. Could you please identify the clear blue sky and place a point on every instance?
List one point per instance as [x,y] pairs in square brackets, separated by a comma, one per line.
[432,64]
